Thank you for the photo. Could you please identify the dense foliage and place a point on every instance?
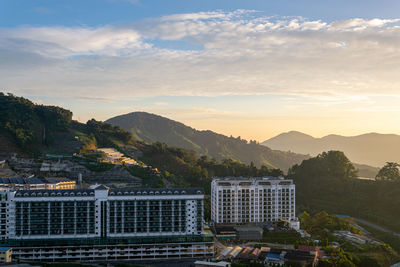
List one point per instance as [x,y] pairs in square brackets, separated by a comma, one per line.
[284,237]
[96,134]
[150,179]
[328,182]
[99,167]
[35,127]
[105,133]
[183,168]
[331,169]
[30,125]
[340,258]
[389,172]
[321,224]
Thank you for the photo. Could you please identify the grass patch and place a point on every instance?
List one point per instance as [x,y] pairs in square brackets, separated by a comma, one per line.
[286,237]
[99,166]
[149,179]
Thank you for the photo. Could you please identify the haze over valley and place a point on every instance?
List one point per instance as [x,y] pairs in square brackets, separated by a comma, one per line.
[373,149]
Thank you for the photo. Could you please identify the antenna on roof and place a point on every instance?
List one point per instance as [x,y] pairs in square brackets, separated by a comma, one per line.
[80,181]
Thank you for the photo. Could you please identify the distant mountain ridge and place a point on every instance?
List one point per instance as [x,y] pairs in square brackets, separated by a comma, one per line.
[373,149]
[152,128]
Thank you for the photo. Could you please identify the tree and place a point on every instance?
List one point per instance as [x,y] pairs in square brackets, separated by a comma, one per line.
[389,172]
[338,165]
[31,125]
[330,170]
[305,218]
[338,257]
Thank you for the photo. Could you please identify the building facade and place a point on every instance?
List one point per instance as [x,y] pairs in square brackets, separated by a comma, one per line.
[21,183]
[57,183]
[103,224]
[242,200]
[5,254]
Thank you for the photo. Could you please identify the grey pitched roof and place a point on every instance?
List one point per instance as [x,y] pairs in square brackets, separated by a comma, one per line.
[21,180]
[117,192]
[239,178]
[157,191]
[54,193]
[33,180]
[102,187]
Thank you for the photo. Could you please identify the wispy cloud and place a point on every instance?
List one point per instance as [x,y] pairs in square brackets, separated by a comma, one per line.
[160,104]
[61,42]
[243,52]
[95,99]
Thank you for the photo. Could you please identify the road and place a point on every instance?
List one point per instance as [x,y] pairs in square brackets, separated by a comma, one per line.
[370,224]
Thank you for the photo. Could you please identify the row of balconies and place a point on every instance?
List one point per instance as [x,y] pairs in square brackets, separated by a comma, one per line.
[100,255]
[137,250]
[260,194]
[106,249]
[256,199]
[73,209]
[177,203]
[178,255]
[114,247]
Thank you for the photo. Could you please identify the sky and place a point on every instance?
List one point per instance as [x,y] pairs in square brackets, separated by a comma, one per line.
[252,68]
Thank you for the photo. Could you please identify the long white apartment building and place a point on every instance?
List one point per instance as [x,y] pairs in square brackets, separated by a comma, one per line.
[241,200]
[102,224]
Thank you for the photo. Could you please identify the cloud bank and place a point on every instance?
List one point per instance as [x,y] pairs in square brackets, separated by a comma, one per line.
[208,54]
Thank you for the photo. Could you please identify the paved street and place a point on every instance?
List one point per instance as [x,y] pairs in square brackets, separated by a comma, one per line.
[370,224]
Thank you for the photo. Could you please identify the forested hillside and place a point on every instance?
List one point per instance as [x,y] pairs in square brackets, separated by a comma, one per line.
[33,129]
[153,128]
[327,182]
[182,168]
[30,126]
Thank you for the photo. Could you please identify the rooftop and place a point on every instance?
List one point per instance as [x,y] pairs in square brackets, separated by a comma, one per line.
[157,191]
[54,193]
[273,255]
[111,192]
[240,178]
[297,255]
[21,180]
[54,180]
[308,248]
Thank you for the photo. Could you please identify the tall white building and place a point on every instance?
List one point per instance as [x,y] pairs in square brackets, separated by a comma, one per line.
[252,200]
[102,224]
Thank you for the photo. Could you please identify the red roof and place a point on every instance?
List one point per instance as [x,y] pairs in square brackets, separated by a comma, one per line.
[308,248]
[320,254]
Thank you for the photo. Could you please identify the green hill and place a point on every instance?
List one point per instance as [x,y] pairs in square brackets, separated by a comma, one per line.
[152,128]
[27,127]
[34,130]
